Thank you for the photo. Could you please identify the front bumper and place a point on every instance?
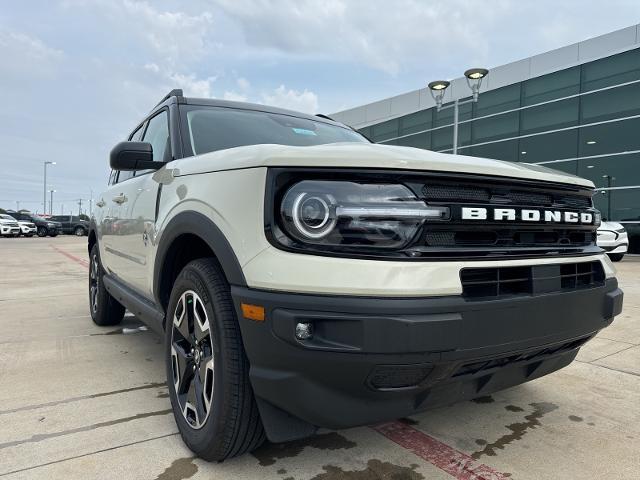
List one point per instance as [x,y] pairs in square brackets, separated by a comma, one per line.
[376,359]
[9,230]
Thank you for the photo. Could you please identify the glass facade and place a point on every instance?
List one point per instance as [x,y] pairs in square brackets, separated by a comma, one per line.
[584,120]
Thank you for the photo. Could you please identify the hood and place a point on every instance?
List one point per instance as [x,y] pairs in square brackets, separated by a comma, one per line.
[6,221]
[610,226]
[365,155]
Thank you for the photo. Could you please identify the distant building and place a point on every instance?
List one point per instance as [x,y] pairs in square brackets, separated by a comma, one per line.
[575,109]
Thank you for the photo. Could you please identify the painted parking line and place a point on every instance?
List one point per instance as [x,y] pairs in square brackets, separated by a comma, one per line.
[457,464]
[79,260]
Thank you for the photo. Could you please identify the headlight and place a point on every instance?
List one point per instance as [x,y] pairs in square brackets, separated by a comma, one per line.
[349,214]
[620,230]
[51,224]
[597,219]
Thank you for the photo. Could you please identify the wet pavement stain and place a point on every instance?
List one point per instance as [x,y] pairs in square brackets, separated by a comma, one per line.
[575,418]
[518,430]
[83,397]
[376,470]
[514,408]
[481,442]
[591,424]
[485,399]
[44,436]
[269,453]
[180,469]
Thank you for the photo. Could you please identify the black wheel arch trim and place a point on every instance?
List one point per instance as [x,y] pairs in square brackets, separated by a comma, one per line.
[195,223]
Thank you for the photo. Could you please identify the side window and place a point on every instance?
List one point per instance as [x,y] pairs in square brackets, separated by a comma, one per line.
[157,135]
[135,137]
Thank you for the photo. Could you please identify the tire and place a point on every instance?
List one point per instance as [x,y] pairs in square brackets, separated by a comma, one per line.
[79,232]
[232,424]
[53,235]
[615,257]
[42,232]
[105,310]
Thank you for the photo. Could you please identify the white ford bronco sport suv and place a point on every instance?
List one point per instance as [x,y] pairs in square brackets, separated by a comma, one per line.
[303,277]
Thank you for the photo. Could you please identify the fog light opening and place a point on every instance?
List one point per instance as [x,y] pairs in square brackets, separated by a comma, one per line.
[304,330]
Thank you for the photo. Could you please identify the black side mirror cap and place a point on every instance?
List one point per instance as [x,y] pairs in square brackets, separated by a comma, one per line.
[133,156]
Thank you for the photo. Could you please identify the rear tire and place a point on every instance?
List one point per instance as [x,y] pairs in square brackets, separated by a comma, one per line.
[80,232]
[207,365]
[616,257]
[105,310]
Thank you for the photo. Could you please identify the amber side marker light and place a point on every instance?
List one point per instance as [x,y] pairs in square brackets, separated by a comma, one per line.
[252,312]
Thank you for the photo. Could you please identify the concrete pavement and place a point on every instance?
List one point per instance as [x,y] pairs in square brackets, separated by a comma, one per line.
[80,401]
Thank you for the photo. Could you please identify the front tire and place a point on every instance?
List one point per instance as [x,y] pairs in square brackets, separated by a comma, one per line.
[207,368]
[79,232]
[105,310]
[42,232]
[616,257]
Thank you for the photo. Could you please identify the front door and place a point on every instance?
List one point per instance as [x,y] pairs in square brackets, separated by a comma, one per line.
[138,210]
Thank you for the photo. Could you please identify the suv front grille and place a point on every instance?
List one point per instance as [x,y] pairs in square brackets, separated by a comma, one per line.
[457,237]
[483,283]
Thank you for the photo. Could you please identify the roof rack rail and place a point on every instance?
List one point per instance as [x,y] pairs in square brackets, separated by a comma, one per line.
[176,92]
[322,115]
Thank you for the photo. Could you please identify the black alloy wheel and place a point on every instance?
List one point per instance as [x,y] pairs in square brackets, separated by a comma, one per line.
[192,360]
[79,232]
[42,232]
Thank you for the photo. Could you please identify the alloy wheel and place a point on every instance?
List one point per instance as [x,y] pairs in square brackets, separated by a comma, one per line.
[94,279]
[192,359]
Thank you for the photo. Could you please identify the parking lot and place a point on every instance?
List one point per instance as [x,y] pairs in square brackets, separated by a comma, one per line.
[80,401]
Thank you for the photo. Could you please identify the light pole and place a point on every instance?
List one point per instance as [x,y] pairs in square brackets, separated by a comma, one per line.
[44,189]
[51,202]
[610,180]
[474,78]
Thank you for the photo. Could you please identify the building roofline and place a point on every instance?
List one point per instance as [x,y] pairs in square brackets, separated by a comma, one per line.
[561,58]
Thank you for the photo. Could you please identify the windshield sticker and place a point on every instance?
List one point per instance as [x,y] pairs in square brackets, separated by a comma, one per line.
[304,131]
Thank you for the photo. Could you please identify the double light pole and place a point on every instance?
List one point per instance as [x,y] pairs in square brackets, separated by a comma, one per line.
[474,78]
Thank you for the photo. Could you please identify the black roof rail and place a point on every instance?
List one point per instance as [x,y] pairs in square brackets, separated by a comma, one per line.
[322,115]
[176,92]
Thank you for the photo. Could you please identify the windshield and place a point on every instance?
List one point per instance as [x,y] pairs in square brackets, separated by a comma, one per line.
[217,128]
[7,217]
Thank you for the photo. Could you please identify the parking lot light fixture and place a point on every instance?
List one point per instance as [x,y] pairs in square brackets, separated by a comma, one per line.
[474,80]
[437,88]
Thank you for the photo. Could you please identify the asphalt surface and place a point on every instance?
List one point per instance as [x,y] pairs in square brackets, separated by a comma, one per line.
[81,401]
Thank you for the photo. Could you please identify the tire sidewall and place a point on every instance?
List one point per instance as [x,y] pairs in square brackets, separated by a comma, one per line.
[190,279]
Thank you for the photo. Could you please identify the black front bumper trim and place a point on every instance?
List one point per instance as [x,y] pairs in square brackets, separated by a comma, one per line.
[377,359]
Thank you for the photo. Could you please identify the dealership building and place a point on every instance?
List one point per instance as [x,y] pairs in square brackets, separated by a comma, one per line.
[575,109]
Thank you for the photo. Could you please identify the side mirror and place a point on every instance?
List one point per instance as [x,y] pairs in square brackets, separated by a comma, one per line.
[133,156]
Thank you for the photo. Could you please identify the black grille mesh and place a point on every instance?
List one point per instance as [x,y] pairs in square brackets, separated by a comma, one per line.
[530,280]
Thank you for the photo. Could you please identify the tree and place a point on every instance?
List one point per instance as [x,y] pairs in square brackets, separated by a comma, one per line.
[2,210]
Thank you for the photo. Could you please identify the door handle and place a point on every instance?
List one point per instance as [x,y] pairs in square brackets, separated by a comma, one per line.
[100,203]
[120,199]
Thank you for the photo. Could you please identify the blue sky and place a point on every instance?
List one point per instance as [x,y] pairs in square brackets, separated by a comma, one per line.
[77,75]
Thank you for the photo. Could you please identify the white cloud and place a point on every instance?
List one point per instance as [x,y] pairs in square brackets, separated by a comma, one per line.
[191,85]
[25,55]
[243,83]
[235,96]
[305,101]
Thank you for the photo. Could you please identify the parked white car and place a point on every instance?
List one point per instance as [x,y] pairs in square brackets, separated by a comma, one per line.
[8,226]
[28,229]
[613,238]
